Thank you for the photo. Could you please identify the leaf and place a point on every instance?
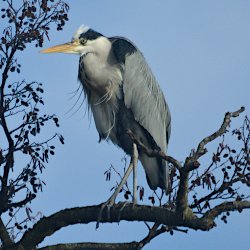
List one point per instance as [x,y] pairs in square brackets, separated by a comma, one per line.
[141,194]
[25,178]
[56,120]
[24,103]
[61,139]
[33,131]
[126,196]
[152,199]
[38,127]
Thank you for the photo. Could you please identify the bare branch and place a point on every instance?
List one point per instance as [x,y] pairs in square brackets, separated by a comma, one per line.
[49,225]
[153,232]
[93,246]
[180,230]
[192,163]
[4,236]
[201,150]
[182,195]
[154,153]
[220,190]
[226,207]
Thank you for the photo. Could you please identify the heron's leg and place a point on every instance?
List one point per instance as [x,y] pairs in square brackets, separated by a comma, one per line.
[132,166]
[135,162]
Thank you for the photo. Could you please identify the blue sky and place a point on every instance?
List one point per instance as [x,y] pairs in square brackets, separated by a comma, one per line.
[200,53]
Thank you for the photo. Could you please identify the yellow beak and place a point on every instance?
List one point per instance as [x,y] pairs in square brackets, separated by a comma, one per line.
[70,47]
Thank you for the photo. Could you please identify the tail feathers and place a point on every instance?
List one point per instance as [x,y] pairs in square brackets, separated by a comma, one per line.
[156,172]
[164,174]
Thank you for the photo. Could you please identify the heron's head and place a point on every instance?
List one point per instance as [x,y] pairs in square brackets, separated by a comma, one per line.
[83,42]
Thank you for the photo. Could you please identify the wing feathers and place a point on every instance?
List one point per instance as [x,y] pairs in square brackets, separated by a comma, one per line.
[142,93]
[144,97]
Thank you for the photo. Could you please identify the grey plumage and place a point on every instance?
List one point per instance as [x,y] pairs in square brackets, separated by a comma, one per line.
[123,94]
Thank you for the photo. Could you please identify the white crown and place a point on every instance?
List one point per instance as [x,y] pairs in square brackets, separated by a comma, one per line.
[82,29]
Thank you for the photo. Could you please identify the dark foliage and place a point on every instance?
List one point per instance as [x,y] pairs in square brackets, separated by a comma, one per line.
[21,105]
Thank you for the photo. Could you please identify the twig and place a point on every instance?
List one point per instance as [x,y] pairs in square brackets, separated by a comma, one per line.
[201,150]
[226,207]
[153,232]
[154,152]
[180,230]
[220,190]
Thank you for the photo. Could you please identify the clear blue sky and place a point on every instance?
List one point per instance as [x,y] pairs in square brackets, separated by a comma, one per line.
[200,53]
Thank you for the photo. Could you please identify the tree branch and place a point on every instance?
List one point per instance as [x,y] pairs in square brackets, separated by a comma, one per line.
[226,207]
[182,196]
[153,232]
[93,246]
[49,225]
[154,153]
[10,155]
[192,163]
[220,190]
[4,236]
[201,150]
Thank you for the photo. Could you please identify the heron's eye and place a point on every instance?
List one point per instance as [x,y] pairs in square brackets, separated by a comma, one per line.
[83,41]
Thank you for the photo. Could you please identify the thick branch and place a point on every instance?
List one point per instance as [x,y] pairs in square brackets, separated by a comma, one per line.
[153,233]
[49,225]
[93,246]
[4,236]
[159,215]
[182,194]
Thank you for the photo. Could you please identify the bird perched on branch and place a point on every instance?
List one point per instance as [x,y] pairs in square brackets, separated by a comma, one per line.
[123,95]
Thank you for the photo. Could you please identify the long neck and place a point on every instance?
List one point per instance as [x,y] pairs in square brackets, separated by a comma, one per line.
[100,49]
[98,62]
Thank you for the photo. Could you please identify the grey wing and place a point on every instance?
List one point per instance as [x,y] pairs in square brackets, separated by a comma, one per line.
[142,94]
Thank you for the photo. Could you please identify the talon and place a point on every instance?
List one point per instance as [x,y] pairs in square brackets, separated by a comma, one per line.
[111,201]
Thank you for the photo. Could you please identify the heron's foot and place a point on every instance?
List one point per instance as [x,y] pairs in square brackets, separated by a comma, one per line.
[109,203]
[123,205]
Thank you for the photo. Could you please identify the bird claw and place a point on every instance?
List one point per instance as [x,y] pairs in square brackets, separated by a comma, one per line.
[109,203]
[124,204]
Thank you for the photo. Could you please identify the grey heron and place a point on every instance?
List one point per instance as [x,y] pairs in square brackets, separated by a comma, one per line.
[123,95]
